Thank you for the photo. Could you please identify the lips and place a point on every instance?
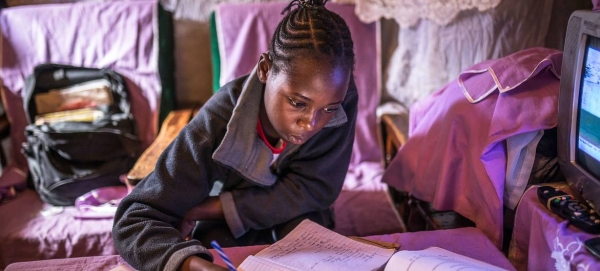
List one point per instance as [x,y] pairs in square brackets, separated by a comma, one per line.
[295,139]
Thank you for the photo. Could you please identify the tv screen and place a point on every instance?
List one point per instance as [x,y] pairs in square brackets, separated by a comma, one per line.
[588,123]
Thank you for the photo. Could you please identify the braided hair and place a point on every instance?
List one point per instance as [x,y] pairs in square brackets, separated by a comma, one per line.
[311,30]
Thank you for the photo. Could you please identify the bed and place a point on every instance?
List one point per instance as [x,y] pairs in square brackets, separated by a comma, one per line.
[63,33]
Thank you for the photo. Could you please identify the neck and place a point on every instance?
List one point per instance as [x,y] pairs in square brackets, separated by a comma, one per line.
[270,133]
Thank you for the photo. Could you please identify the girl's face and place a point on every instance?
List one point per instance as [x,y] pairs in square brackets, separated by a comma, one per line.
[299,104]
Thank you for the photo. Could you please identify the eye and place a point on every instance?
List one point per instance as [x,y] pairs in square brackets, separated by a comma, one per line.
[296,104]
[331,110]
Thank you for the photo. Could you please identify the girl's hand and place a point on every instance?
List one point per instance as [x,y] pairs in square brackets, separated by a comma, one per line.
[186,226]
[195,263]
[209,209]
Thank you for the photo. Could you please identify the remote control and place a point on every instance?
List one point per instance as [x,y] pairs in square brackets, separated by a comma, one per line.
[568,207]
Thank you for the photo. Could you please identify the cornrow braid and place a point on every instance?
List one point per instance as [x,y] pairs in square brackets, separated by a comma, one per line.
[311,30]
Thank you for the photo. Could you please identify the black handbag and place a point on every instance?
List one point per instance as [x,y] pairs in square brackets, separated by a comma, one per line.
[66,158]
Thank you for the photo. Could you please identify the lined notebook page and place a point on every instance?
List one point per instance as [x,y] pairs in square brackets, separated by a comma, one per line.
[311,246]
[435,258]
[255,263]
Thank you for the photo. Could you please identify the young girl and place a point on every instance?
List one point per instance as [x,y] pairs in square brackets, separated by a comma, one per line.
[267,150]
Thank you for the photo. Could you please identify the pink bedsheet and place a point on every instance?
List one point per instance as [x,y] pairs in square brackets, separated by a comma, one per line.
[455,155]
[470,242]
[365,213]
[245,32]
[32,230]
[116,34]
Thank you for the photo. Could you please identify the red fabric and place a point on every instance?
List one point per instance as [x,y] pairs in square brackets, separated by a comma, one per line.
[261,134]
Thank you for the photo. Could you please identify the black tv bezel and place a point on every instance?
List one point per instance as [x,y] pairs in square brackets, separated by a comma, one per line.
[584,185]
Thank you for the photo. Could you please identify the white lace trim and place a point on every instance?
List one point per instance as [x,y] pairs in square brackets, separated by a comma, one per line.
[198,10]
[563,255]
[409,12]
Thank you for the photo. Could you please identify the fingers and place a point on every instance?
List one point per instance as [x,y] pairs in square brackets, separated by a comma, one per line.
[186,227]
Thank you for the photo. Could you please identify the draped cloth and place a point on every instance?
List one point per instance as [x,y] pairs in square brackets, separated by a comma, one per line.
[456,155]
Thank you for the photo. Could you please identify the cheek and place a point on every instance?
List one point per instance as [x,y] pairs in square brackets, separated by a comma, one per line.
[324,119]
[287,118]
[278,113]
[272,106]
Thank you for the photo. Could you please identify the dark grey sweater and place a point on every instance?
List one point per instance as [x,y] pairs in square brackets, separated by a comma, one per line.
[221,143]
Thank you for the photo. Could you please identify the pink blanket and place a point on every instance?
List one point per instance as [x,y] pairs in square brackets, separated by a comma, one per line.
[32,230]
[245,32]
[117,34]
[455,156]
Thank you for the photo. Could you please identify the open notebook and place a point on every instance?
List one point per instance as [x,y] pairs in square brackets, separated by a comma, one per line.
[435,258]
[313,247]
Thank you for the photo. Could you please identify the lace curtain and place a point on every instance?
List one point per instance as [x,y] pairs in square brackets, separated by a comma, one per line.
[408,12]
[199,10]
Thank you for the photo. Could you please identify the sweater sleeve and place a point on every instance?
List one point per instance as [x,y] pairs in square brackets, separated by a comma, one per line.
[145,226]
[311,182]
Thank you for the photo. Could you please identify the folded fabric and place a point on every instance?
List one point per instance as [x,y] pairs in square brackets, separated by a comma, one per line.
[455,156]
[101,202]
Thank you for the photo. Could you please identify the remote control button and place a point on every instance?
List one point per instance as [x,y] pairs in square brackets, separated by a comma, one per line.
[570,208]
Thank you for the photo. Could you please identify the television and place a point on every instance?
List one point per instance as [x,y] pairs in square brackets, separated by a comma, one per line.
[579,107]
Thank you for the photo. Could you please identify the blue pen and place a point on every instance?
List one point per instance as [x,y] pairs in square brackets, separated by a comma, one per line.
[226,259]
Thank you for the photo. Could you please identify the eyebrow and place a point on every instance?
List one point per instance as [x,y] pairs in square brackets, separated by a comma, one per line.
[310,100]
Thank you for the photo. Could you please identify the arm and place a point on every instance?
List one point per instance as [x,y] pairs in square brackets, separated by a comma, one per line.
[144,231]
[145,228]
[210,209]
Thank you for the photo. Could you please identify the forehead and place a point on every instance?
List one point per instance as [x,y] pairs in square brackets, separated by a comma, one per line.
[315,78]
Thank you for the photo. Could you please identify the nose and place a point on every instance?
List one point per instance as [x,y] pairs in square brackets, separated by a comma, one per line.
[309,120]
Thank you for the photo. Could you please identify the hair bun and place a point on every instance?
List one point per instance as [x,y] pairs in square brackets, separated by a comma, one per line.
[312,3]
[304,4]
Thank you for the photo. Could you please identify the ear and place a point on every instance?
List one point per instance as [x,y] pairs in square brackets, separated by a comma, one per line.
[264,65]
